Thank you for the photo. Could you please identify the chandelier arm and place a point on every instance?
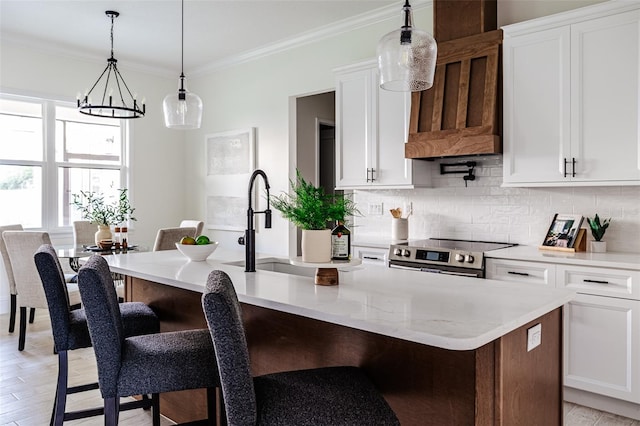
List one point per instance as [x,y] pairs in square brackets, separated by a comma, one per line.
[116,74]
[104,92]
[125,86]
[98,80]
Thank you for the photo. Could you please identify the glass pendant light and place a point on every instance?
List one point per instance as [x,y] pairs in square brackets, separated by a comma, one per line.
[407,57]
[182,110]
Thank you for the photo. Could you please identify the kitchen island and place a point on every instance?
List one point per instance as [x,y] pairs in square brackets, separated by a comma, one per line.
[443,350]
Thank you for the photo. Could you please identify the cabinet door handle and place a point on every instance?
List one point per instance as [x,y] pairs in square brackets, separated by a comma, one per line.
[373,173]
[371,257]
[573,166]
[565,167]
[524,274]
[596,281]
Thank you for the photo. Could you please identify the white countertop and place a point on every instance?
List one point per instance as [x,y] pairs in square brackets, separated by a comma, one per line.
[444,311]
[582,258]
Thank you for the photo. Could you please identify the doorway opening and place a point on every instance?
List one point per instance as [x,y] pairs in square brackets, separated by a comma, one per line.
[315,142]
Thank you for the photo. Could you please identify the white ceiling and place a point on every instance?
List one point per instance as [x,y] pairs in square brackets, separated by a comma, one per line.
[147,33]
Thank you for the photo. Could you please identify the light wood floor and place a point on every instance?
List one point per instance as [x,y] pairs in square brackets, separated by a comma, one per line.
[27,379]
[27,384]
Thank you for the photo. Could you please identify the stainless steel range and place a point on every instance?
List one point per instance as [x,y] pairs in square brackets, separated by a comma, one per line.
[445,256]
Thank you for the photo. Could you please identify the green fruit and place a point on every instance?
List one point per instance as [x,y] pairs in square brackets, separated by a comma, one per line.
[202,240]
[188,241]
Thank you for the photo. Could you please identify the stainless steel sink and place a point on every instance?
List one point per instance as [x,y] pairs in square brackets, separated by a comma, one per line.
[278,265]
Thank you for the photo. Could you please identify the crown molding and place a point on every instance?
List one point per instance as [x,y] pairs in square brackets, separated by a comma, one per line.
[76,54]
[321,33]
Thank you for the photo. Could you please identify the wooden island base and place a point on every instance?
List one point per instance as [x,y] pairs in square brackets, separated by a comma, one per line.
[497,384]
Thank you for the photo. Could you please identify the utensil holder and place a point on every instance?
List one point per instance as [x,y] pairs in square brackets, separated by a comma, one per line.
[399,228]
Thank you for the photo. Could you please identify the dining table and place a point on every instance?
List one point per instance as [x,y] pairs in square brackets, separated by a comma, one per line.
[74,253]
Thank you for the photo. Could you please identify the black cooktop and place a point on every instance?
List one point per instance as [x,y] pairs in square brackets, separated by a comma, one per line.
[467,245]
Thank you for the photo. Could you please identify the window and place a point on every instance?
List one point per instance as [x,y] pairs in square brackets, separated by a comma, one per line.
[49,151]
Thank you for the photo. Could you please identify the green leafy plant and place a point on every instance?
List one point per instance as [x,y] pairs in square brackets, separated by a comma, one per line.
[309,207]
[94,208]
[598,228]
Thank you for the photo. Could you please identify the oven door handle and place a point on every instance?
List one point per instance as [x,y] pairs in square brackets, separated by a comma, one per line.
[464,274]
[437,271]
[408,268]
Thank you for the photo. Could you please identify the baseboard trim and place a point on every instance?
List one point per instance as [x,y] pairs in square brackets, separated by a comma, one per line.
[603,403]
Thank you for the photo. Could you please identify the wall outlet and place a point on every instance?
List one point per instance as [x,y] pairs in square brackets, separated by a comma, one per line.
[375,209]
[534,337]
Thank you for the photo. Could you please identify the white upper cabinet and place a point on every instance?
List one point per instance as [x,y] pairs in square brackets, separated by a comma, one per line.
[372,127]
[571,98]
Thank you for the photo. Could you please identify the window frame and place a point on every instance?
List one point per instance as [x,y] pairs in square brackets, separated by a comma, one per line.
[50,167]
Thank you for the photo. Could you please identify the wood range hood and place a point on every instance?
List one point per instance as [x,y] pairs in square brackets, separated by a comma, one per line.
[461,114]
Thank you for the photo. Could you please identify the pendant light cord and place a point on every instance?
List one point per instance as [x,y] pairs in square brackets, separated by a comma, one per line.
[182,47]
[112,18]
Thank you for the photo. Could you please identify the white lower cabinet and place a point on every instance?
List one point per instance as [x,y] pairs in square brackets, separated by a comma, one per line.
[373,255]
[525,272]
[601,325]
[601,339]
[602,331]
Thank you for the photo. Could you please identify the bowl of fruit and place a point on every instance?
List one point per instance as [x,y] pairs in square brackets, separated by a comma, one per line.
[196,249]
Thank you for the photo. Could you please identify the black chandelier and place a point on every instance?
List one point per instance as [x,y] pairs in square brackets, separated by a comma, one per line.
[125,104]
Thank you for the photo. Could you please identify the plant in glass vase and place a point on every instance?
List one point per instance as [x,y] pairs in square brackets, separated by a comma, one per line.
[93,207]
[309,208]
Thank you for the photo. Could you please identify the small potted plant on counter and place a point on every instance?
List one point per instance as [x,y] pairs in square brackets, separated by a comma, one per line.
[309,208]
[93,207]
[597,231]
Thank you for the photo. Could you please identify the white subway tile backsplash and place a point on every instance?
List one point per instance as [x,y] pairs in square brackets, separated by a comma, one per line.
[484,210]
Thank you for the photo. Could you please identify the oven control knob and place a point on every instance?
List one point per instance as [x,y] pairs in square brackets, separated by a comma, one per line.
[406,253]
[459,257]
[469,258]
[397,252]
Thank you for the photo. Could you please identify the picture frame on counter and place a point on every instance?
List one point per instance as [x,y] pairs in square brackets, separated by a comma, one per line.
[565,233]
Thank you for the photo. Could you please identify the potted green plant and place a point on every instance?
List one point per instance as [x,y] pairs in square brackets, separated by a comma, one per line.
[309,208]
[598,229]
[93,207]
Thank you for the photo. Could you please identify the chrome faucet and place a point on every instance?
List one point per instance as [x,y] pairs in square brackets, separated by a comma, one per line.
[249,239]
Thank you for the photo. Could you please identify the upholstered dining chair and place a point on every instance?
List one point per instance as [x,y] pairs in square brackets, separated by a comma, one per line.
[198,224]
[321,396]
[12,282]
[21,246]
[70,331]
[166,238]
[149,364]
[84,233]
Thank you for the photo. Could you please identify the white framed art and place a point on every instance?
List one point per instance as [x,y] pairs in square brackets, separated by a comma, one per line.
[231,153]
[230,160]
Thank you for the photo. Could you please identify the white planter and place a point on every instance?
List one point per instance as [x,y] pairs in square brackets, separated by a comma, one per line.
[104,233]
[316,245]
[598,246]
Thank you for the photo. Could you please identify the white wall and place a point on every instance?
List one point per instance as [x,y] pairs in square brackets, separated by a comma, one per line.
[157,153]
[485,211]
